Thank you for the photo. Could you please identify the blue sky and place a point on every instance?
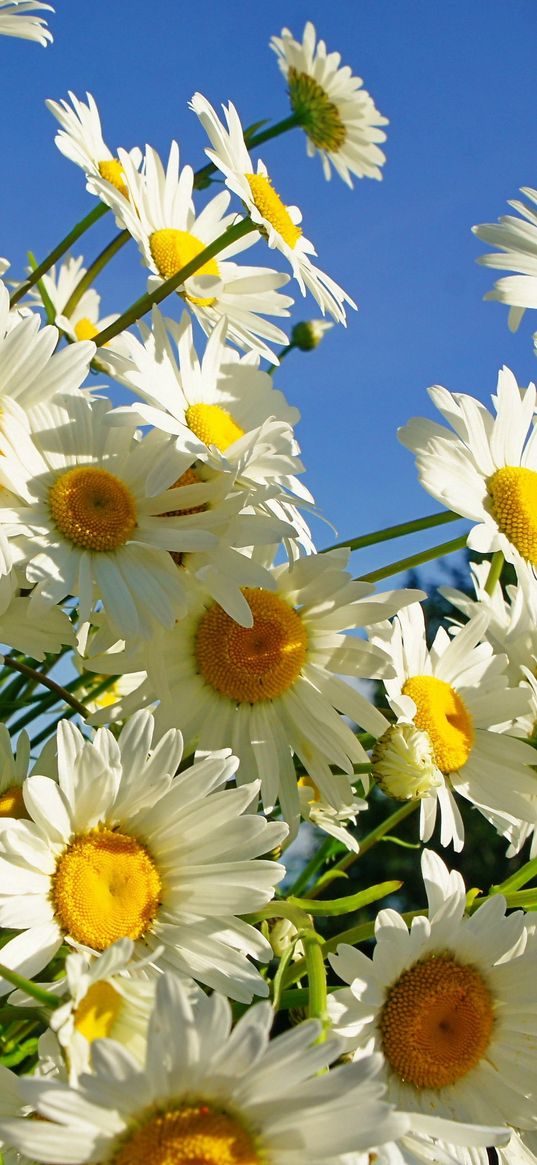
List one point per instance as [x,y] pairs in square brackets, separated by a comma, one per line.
[455,80]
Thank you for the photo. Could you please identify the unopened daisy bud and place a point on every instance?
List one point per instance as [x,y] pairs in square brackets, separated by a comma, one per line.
[308,334]
[403,763]
[281,935]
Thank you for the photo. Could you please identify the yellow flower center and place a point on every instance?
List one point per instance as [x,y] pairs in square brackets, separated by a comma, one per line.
[318,116]
[249,664]
[194,1134]
[92,508]
[270,205]
[85,329]
[172,250]
[98,1010]
[442,714]
[112,171]
[213,425]
[308,783]
[105,887]
[436,1023]
[12,802]
[513,494]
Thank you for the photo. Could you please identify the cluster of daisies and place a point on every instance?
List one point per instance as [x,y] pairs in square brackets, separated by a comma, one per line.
[162,549]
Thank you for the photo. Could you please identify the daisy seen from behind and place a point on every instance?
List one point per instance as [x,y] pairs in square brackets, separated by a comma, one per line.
[117,846]
[450,1005]
[337,114]
[17,19]
[279,223]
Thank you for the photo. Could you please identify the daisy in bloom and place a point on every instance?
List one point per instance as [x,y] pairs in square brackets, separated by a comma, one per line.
[486,468]
[209,1093]
[118,847]
[81,140]
[337,114]
[458,696]
[83,321]
[86,523]
[273,689]
[450,1005]
[516,239]
[161,217]
[16,20]
[279,223]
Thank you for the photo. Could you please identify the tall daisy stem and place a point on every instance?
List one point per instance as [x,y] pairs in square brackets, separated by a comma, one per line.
[94,269]
[45,998]
[495,571]
[58,251]
[47,682]
[404,564]
[316,972]
[366,844]
[398,531]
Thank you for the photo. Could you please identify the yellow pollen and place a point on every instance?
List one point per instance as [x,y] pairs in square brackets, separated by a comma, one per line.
[172,250]
[318,115]
[92,508]
[249,664]
[270,205]
[513,496]
[213,425]
[437,1021]
[112,171]
[85,329]
[105,887]
[194,1134]
[12,802]
[98,1010]
[442,714]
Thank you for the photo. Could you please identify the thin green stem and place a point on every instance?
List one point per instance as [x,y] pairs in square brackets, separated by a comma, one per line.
[495,572]
[39,993]
[367,843]
[399,531]
[144,304]
[316,972]
[94,269]
[404,564]
[50,310]
[58,251]
[47,682]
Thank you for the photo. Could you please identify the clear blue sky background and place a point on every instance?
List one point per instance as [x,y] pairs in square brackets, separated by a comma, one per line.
[456,81]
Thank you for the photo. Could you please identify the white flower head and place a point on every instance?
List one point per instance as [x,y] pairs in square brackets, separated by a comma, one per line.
[31,370]
[81,140]
[516,240]
[83,322]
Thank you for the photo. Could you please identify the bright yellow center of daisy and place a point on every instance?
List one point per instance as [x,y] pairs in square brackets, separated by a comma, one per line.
[97,1011]
[270,205]
[172,250]
[249,664]
[442,714]
[85,329]
[513,495]
[105,887]
[194,1134]
[112,171]
[213,425]
[436,1023]
[92,508]
[12,802]
[318,116]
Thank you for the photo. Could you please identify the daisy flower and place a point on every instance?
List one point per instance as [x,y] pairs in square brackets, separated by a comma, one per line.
[338,116]
[327,818]
[83,322]
[279,223]
[273,689]
[161,217]
[516,239]
[486,469]
[81,140]
[450,1005]
[209,1093]
[118,847]
[458,695]
[16,20]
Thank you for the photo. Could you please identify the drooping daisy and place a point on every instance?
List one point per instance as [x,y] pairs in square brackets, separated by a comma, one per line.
[15,20]
[81,140]
[458,695]
[450,1005]
[273,689]
[516,239]
[338,116]
[486,469]
[118,847]
[83,322]
[161,217]
[279,223]
[212,1094]
[324,816]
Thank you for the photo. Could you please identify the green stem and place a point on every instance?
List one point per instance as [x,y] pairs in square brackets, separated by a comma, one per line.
[94,269]
[366,844]
[404,564]
[399,531]
[48,305]
[351,903]
[316,972]
[144,304]
[495,571]
[201,177]
[47,682]
[355,934]
[39,993]
[518,879]
[58,251]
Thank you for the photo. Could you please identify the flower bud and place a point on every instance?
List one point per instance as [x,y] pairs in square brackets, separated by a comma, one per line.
[403,763]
